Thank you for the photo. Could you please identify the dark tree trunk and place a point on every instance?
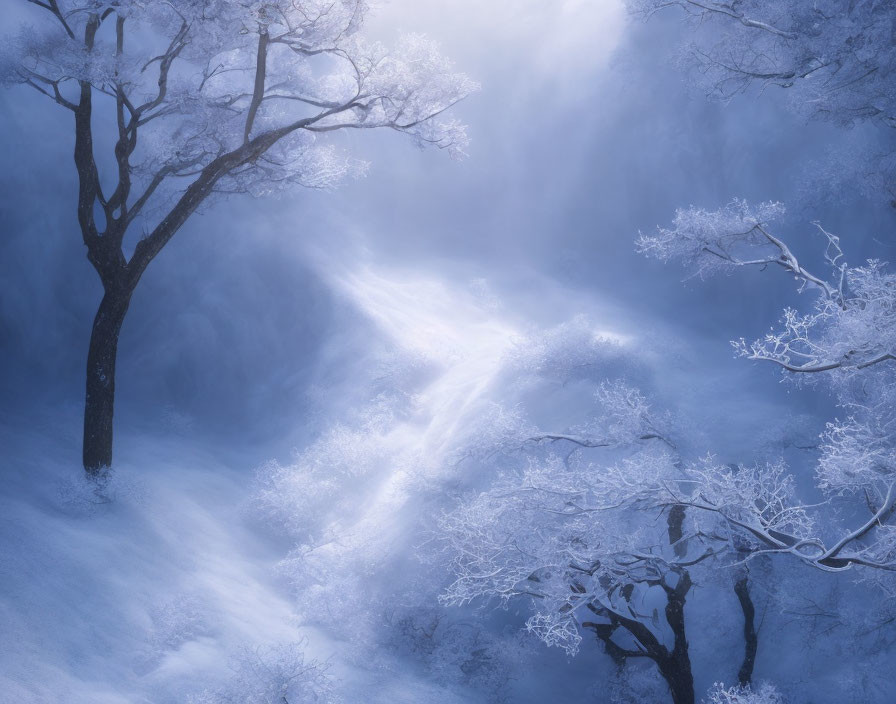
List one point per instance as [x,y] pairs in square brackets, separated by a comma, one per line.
[679,679]
[751,637]
[674,665]
[676,668]
[100,400]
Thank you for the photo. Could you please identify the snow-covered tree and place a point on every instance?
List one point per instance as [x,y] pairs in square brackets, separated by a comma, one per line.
[579,538]
[205,97]
[836,59]
[278,674]
[847,341]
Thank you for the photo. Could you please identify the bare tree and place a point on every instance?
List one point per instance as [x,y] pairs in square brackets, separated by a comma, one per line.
[210,97]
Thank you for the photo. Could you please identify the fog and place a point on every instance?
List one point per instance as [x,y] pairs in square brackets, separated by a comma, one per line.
[386,309]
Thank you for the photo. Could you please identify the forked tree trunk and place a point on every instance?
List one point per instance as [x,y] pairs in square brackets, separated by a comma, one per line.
[100,400]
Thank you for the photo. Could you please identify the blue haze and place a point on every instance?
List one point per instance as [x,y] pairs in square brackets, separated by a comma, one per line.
[239,347]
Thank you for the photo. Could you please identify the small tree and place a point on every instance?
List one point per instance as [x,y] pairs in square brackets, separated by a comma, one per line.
[208,97]
[277,674]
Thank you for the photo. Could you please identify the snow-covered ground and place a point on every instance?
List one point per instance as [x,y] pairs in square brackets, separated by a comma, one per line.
[153,587]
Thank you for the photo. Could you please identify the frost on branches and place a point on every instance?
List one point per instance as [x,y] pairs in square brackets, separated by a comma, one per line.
[836,58]
[239,93]
[846,341]
[227,96]
[764,694]
[207,97]
[273,675]
[576,524]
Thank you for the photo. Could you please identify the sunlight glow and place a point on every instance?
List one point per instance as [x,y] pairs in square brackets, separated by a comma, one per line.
[466,334]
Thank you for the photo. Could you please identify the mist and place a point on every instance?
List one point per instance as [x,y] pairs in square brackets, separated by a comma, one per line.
[297,372]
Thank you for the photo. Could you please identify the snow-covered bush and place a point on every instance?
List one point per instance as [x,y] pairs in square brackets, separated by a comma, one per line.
[763,694]
[278,674]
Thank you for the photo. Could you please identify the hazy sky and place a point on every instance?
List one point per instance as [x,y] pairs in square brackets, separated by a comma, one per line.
[584,132]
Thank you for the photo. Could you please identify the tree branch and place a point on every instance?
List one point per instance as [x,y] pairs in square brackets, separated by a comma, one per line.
[106,260]
[53,7]
[258,89]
